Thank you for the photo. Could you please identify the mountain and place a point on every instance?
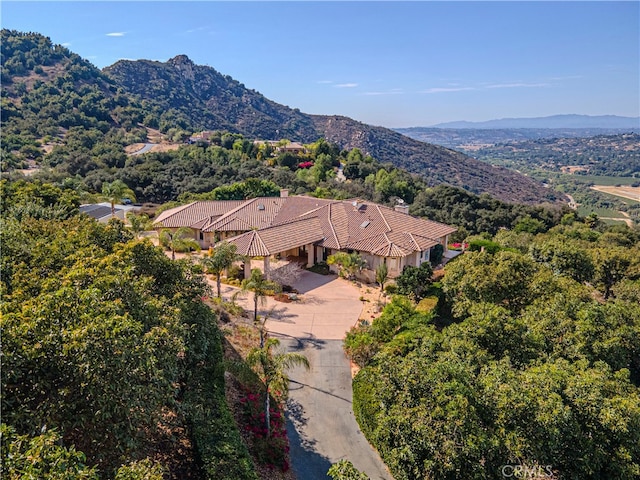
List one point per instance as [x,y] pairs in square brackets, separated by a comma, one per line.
[554,121]
[209,99]
[61,111]
[214,101]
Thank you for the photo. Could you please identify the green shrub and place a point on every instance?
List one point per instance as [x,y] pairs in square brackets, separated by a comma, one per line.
[360,346]
[344,470]
[365,401]
[427,305]
[320,268]
[234,272]
[41,457]
[414,281]
[219,447]
[141,470]
[480,244]
[436,253]
[391,289]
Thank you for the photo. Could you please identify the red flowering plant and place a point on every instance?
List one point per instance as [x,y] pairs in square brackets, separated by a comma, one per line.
[270,448]
[305,164]
[270,363]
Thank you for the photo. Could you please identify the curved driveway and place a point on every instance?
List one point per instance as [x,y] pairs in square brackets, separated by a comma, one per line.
[320,422]
[145,149]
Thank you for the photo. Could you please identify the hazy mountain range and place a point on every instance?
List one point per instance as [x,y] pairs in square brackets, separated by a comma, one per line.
[570,121]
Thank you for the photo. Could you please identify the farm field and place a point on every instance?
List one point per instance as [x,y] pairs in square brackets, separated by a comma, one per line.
[627,192]
[601,212]
[605,180]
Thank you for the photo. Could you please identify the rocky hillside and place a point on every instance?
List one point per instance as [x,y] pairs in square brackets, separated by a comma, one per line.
[437,164]
[212,101]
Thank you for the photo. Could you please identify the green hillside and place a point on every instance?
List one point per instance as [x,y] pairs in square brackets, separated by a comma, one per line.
[61,112]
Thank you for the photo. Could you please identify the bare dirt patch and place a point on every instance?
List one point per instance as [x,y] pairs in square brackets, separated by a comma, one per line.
[573,169]
[48,73]
[133,148]
[373,301]
[153,135]
[474,147]
[624,191]
[165,147]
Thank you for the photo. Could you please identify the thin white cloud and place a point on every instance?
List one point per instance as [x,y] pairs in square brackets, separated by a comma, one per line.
[517,85]
[116,34]
[393,91]
[447,89]
[567,77]
[346,85]
[194,30]
[66,44]
[325,81]
[450,89]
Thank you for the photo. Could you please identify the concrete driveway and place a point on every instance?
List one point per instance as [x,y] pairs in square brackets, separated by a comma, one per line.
[320,422]
[327,308]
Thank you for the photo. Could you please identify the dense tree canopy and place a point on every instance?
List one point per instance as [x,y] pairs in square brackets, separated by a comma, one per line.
[101,334]
[529,371]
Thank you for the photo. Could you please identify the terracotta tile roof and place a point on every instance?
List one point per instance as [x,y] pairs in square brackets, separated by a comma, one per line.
[286,222]
[391,250]
[279,238]
[250,244]
[195,213]
[368,227]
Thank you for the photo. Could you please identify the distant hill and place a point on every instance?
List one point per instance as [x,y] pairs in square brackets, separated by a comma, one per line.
[554,121]
[58,108]
[214,101]
[608,155]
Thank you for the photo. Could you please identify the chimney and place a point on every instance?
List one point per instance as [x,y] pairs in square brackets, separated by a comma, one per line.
[284,192]
[402,208]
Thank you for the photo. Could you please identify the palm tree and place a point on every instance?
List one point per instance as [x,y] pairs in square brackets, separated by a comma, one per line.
[219,259]
[139,223]
[260,286]
[115,192]
[271,367]
[178,240]
[349,264]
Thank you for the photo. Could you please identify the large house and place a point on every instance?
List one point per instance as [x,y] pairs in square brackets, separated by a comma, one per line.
[312,228]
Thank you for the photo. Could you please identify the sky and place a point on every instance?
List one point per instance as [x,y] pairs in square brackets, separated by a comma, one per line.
[386,63]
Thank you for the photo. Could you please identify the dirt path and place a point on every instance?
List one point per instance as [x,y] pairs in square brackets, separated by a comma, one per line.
[627,219]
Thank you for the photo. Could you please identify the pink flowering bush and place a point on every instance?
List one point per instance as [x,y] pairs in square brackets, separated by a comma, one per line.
[270,451]
[305,165]
[458,246]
